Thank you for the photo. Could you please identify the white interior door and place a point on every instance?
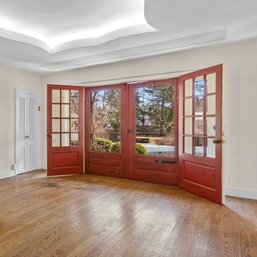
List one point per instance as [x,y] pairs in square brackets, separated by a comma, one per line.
[25,132]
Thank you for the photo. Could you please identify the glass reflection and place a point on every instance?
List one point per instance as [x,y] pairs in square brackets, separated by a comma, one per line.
[199,146]
[188,145]
[188,87]
[65,96]
[55,96]
[74,139]
[188,106]
[211,83]
[74,103]
[56,140]
[65,139]
[56,111]
[211,148]
[199,126]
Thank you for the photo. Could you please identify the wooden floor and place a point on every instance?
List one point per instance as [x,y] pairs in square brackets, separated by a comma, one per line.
[99,216]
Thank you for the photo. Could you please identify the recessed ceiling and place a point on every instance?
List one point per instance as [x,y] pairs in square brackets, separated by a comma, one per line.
[50,24]
[48,36]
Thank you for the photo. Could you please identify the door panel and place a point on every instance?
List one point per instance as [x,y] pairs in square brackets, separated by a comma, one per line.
[65,130]
[200,132]
[31,111]
[152,132]
[106,139]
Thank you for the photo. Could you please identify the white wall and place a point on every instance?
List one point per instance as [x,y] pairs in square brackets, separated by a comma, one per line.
[11,79]
[239,100]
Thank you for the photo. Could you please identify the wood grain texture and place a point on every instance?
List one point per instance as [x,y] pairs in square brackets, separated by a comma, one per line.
[87,215]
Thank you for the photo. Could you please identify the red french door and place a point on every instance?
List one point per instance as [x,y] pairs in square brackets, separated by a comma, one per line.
[152,132]
[106,133]
[65,130]
[200,136]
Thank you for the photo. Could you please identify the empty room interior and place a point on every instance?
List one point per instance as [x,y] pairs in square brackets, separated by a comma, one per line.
[128,128]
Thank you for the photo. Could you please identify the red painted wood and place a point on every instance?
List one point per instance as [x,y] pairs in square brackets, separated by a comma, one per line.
[107,164]
[199,173]
[64,160]
[202,175]
[144,167]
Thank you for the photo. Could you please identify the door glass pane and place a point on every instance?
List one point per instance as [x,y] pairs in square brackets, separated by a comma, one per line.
[188,144]
[199,126]
[199,105]
[199,86]
[65,96]
[199,146]
[188,126]
[56,110]
[211,104]
[211,83]
[56,140]
[65,139]
[211,148]
[55,96]
[56,125]
[74,139]
[188,87]
[74,103]
[74,125]
[105,111]
[188,106]
[65,111]
[211,126]
[154,121]
[65,125]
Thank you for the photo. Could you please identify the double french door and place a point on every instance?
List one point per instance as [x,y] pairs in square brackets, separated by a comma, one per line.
[132,131]
[163,131]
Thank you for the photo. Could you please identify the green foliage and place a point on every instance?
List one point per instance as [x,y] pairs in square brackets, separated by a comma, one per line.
[102,145]
[116,147]
[140,149]
[105,145]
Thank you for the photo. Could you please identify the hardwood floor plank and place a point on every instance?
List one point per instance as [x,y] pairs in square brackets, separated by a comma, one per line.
[87,216]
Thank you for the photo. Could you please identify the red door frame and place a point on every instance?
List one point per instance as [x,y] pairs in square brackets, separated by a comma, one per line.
[73,160]
[145,167]
[214,194]
[106,160]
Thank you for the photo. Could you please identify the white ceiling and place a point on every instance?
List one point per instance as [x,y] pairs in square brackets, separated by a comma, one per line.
[47,36]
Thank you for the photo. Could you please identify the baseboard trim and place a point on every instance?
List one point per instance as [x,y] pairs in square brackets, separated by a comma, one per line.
[7,174]
[239,192]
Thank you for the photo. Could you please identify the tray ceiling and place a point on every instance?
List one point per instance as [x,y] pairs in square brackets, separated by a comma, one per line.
[47,36]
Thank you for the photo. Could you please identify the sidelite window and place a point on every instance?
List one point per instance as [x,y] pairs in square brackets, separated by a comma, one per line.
[155,128]
[105,111]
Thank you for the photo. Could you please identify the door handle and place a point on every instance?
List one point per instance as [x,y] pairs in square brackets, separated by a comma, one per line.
[49,135]
[165,161]
[217,141]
